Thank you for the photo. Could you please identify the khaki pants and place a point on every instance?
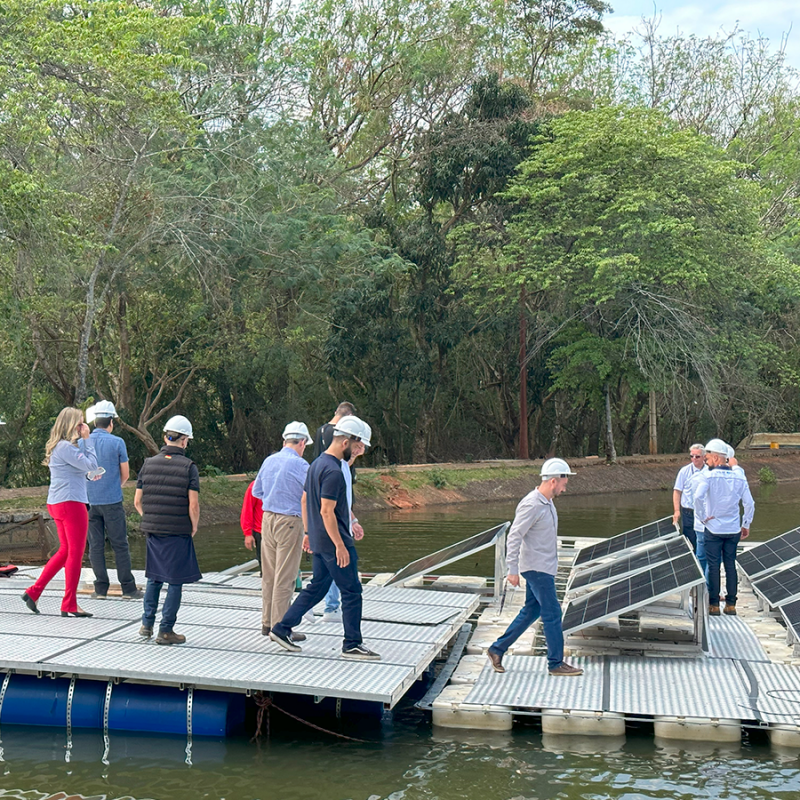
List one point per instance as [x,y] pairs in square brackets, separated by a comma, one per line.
[281,551]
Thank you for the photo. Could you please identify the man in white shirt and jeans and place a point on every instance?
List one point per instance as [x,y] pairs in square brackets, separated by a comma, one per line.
[718,492]
[532,551]
[683,502]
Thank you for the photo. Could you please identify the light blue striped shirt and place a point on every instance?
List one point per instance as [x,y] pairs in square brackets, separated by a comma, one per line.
[68,467]
[280,482]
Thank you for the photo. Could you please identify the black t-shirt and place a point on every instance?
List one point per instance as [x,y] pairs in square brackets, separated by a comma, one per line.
[325,481]
[322,439]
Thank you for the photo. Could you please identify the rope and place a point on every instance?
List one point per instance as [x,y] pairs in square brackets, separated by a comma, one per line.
[266,703]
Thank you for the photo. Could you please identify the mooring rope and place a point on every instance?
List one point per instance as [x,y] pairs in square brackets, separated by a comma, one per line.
[266,703]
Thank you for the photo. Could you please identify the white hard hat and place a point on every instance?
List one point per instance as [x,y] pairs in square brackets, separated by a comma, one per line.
[297,430]
[349,426]
[103,408]
[731,452]
[366,434]
[556,468]
[179,424]
[717,446]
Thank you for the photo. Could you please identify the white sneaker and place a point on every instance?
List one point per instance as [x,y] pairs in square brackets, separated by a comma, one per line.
[309,617]
[332,616]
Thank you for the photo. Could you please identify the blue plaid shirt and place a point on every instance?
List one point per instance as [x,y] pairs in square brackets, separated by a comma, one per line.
[280,481]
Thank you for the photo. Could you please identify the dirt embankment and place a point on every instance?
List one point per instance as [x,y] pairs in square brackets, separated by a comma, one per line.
[420,485]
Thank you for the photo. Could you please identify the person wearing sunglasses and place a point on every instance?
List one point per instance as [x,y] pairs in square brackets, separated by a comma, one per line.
[682,499]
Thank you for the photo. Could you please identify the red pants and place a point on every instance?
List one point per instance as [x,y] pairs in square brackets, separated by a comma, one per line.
[72,523]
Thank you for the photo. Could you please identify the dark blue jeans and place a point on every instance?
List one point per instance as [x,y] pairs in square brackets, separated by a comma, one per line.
[169,611]
[721,548]
[541,600]
[687,526]
[325,570]
[108,522]
[695,537]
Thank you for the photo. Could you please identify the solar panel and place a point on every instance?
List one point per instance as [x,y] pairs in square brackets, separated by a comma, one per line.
[659,529]
[632,592]
[449,554]
[791,614]
[780,587]
[780,551]
[629,564]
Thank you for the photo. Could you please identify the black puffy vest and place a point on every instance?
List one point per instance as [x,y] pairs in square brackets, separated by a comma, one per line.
[165,492]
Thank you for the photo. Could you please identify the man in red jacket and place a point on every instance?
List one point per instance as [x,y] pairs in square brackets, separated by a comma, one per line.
[250,521]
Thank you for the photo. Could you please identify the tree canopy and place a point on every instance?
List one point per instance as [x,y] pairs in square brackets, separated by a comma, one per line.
[246,212]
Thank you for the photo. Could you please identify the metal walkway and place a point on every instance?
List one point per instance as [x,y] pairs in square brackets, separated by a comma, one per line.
[699,688]
[225,648]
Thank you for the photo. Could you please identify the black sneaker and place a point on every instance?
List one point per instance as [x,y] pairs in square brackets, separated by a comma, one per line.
[285,642]
[98,596]
[136,594]
[360,653]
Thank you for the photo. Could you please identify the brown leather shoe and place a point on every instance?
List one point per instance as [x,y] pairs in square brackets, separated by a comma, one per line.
[713,611]
[496,660]
[298,637]
[566,669]
[730,608]
[265,629]
[145,632]
[170,637]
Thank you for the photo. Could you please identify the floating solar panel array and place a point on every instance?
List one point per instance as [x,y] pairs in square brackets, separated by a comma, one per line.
[628,564]
[660,529]
[635,591]
[776,553]
[780,586]
[449,554]
[791,614]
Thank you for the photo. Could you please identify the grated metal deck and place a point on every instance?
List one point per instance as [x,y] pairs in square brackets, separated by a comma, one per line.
[701,688]
[225,648]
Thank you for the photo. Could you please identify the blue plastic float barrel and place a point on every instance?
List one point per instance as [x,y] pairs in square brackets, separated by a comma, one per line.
[134,707]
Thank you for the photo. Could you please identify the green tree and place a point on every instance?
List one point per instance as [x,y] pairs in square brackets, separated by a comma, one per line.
[645,235]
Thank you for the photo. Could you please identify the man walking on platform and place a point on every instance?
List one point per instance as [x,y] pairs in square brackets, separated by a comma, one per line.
[333,599]
[718,492]
[532,551]
[330,540]
[279,485]
[168,498]
[683,501]
[324,435]
[106,512]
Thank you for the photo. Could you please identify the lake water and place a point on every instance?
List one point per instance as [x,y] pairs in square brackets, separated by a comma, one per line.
[406,759]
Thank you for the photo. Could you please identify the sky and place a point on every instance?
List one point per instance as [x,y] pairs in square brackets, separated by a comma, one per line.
[768,18]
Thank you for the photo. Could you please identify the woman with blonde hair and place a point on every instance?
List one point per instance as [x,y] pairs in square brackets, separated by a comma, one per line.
[70,456]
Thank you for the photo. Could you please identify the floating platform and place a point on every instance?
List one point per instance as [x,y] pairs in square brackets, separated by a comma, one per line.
[645,665]
[225,652]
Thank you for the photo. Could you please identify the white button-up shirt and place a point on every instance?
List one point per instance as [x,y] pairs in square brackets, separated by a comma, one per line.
[533,538]
[683,484]
[717,495]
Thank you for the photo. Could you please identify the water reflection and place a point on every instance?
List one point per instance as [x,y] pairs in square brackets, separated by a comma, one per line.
[412,763]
